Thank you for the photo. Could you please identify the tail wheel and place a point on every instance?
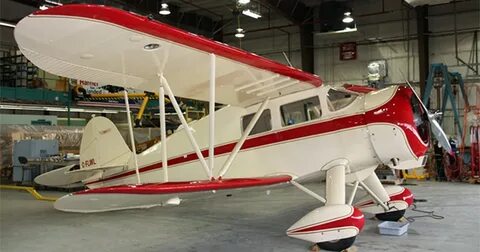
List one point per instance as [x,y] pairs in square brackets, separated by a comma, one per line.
[337,245]
[391,216]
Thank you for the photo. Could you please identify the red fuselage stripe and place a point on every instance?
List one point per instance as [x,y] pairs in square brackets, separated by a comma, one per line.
[356,219]
[295,133]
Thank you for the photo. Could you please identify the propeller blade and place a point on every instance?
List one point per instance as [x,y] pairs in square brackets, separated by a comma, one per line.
[440,135]
[437,130]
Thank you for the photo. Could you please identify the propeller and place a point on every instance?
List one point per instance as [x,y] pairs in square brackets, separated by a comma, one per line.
[437,130]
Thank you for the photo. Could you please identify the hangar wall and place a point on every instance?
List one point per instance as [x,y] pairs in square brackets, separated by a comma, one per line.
[379,36]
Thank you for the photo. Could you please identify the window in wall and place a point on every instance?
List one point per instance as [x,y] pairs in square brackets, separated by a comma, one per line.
[339,99]
[301,111]
[263,124]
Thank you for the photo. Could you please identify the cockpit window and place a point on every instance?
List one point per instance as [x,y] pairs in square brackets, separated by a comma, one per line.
[301,111]
[339,99]
[263,124]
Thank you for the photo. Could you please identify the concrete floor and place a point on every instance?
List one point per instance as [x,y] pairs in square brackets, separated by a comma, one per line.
[247,221]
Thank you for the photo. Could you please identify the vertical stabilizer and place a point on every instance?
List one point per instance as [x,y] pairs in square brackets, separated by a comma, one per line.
[102,146]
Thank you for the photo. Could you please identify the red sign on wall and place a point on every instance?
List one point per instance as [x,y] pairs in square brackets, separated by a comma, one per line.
[348,51]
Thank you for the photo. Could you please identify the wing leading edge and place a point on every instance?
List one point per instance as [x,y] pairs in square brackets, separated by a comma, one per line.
[112,46]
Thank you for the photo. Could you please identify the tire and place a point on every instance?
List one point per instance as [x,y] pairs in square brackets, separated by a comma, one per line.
[391,216]
[337,245]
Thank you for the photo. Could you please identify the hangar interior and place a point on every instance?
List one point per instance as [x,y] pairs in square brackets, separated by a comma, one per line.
[350,48]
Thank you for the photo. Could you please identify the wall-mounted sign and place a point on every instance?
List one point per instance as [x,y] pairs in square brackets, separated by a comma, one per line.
[348,51]
[91,87]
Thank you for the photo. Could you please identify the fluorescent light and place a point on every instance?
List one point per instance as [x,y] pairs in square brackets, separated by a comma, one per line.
[347,29]
[240,33]
[43,7]
[243,1]
[347,18]
[6,24]
[164,10]
[58,109]
[251,14]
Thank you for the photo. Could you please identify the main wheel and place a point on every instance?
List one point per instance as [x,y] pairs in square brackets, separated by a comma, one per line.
[391,216]
[337,245]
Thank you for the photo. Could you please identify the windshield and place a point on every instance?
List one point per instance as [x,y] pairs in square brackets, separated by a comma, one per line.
[339,99]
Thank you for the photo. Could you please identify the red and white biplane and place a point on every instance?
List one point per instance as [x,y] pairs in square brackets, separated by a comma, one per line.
[281,125]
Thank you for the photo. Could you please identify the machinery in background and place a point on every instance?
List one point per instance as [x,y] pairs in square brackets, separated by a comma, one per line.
[447,85]
[143,102]
[439,78]
[111,94]
[25,150]
[377,72]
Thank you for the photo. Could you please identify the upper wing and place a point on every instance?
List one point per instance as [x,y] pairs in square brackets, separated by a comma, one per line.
[111,46]
[147,195]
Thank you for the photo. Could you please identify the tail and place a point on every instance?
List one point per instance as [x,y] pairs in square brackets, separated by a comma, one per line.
[102,146]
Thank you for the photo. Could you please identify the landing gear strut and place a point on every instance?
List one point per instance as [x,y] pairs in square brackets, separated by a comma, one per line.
[335,225]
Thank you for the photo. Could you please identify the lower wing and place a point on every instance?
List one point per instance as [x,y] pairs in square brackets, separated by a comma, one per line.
[148,195]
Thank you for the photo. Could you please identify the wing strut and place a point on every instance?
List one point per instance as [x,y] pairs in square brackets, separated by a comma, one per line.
[163,131]
[187,128]
[245,134]
[308,191]
[132,139]
[211,114]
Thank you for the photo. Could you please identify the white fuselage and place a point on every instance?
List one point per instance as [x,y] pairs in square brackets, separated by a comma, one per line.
[300,150]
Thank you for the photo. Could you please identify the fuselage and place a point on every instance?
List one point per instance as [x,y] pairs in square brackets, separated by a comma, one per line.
[297,134]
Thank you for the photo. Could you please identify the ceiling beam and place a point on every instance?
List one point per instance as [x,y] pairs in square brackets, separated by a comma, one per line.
[190,21]
[294,10]
[298,13]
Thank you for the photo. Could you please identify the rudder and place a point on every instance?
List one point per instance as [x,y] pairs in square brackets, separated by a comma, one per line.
[102,146]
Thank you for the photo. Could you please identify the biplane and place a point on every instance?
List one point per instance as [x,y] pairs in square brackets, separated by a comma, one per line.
[280,125]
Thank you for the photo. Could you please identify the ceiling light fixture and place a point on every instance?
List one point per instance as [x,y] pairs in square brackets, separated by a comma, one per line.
[243,1]
[43,7]
[164,10]
[240,33]
[251,14]
[347,17]
[57,109]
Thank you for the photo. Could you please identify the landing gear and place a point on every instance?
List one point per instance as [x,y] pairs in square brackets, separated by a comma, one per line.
[335,225]
[387,203]
[391,216]
[337,245]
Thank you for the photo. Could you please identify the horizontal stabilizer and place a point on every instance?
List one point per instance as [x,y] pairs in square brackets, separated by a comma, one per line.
[62,177]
